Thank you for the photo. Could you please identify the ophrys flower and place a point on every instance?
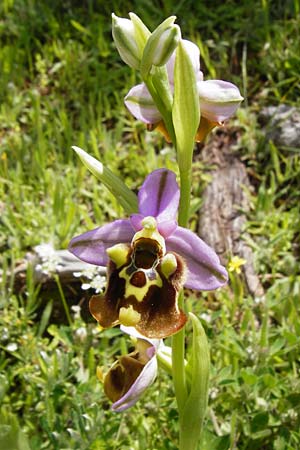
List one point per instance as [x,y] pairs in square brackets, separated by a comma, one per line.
[149,259]
[132,374]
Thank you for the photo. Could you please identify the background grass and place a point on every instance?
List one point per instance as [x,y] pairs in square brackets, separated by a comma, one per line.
[62,83]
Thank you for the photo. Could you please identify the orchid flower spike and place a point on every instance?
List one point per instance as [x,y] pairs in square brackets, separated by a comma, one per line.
[150,258]
[218,99]
[132,374]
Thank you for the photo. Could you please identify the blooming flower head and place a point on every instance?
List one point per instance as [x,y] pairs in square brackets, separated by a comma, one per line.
[218,99]
[132,374]
[50,261]
[149,259]
[235,264]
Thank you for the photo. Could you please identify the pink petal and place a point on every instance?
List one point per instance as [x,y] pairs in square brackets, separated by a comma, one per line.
[146,377]
[91,246]
[143,381]
[218,99]
[140,104]
[204,269]
[159,196]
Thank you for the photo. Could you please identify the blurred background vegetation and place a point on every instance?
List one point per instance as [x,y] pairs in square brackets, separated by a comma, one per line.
[62,83]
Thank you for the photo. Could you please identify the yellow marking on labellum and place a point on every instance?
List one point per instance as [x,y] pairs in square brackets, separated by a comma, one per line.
[128,316]
[168,264]
[139,291]
[118,254]
[150,231]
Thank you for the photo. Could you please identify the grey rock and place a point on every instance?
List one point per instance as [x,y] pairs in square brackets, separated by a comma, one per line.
[282,125]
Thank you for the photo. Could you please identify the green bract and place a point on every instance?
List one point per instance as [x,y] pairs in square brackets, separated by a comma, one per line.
[127,198]
[186,107]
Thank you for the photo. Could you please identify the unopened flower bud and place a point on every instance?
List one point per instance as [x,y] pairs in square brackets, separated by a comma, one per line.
[124,37]
[160,45]
[166,45]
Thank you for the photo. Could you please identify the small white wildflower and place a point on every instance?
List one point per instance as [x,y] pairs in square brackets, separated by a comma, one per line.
[12,347]
[259,300]
[81,333]
[50,261]
[292,414]
[260,401]
[96,279]
[225,428]
[206,317]
[250,350]
[5,334]
[213,393]
[77,274]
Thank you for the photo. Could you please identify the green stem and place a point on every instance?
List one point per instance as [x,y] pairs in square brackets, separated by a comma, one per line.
[63,299]
[178,341]
[164,105]
[178,368]
[185,195]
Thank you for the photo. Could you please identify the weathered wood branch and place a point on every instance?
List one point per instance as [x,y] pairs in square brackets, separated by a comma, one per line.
[226,204]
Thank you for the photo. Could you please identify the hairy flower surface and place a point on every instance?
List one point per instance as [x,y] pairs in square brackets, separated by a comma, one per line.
[132,374]
[218,99]
[149,259]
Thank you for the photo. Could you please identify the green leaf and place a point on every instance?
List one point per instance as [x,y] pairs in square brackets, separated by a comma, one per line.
[194,409]
[45,318]
[212,442]
[259,422]
[126,198]
[248,376]
[11,436]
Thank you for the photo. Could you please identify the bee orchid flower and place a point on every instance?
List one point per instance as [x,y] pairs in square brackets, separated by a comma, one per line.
[132,374]
[218,99]
[149,259]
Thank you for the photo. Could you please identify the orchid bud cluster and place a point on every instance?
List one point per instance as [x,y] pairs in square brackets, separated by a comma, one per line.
[141,49]
[154,55]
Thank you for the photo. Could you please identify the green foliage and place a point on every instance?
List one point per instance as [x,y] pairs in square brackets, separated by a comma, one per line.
[61,84]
